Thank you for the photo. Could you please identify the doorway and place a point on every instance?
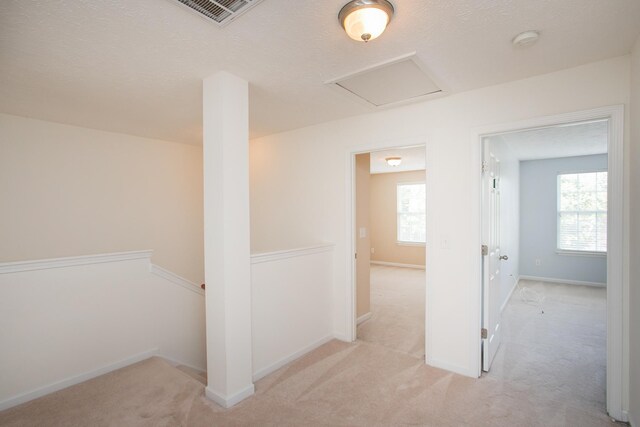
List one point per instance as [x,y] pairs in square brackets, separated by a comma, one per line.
[389,241]
[563,252]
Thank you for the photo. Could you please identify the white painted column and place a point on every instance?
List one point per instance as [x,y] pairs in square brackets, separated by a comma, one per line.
[227,262]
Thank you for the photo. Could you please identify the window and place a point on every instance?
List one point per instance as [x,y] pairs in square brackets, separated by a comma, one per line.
[411,213]
[582,212]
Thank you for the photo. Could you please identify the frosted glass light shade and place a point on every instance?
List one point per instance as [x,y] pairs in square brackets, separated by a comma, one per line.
[366,24]
[394,161]
[365,20]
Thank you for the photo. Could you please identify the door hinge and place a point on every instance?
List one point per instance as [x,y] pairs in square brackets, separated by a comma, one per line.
[356,255]
[485,250]
[483,333]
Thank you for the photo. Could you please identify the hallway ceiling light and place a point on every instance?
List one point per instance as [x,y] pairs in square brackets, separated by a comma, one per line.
[526,39]
[393,161]
[365,20]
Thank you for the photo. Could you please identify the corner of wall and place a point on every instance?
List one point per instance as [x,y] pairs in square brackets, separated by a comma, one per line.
[634,241]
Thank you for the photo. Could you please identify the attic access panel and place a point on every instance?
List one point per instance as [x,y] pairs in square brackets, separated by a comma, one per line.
[396,82]
[220,11]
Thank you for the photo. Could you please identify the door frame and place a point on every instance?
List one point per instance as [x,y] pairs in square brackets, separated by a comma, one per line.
[617,252]
[351,226]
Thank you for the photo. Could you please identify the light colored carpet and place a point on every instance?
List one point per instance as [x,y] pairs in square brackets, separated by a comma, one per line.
[149,393]
[197,375]
[368,384]
[555,351]
[397,310]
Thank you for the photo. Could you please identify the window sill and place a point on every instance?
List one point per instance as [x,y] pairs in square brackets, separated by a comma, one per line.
[411,244]
[581,253]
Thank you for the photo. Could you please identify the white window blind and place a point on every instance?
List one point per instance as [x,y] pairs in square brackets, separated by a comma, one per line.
[582,212]
[411,199]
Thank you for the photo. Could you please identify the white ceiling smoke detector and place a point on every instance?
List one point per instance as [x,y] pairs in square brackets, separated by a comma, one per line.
[526,39]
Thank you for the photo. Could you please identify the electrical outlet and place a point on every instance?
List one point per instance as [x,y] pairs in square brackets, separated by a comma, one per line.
[538,262]
[373,250]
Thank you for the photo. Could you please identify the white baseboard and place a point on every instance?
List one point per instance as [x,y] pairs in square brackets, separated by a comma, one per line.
[363,318]
[174,363]
[76,379]
[513,288]
[631,419]
[626,418]
[228,402]
[279,364]
[342,337]
[563,281]
[397,264]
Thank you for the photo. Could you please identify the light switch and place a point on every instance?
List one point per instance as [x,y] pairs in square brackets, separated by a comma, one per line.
[363,232]
[445,242]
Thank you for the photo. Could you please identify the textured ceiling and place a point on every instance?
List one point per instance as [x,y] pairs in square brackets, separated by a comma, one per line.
[136,66]
[559,141]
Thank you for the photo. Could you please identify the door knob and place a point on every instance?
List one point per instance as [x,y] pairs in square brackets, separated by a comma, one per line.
[504,257]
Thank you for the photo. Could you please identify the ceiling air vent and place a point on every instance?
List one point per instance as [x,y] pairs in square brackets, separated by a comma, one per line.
[221,11]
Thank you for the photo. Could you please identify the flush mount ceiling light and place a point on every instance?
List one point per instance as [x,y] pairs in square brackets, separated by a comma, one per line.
[528,38]
[365,20]
[393,161]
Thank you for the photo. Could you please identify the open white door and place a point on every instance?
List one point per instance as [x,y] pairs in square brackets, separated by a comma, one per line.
[491,333]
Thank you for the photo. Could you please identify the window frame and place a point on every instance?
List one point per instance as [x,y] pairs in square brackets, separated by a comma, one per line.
[403,242]
[578,252]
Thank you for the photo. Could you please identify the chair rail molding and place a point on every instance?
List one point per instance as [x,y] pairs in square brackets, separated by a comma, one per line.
[174,278]
[45,264]
[290,253]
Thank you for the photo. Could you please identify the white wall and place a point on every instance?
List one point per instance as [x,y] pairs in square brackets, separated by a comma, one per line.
[276,187]
[300,191]
[509,216]
[75,318]
[634,292]
[290,305]
[70,191]
[68,320]
[538,222]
